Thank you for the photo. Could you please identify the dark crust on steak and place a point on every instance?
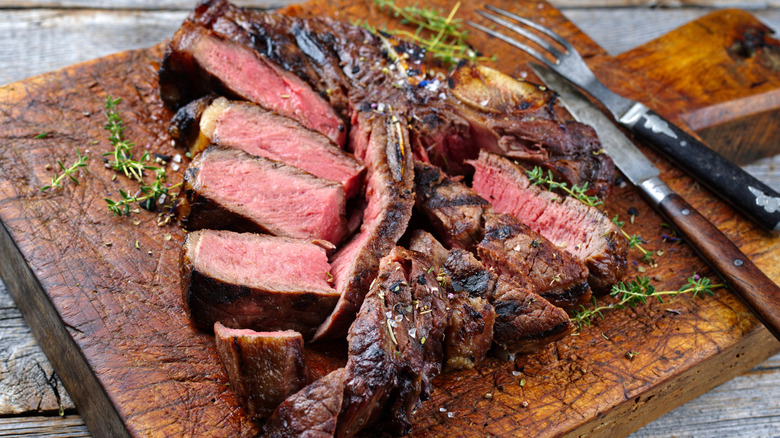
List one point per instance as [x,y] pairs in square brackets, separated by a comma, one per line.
[312,411]
[512,248]
[454,209]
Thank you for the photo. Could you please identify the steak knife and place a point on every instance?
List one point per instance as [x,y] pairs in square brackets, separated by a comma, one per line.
[760,294]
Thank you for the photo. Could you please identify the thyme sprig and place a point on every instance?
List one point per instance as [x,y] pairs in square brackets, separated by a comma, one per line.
[538,177]
[635,241]
[440,35]
[69,171]
[147,195]
[636,292]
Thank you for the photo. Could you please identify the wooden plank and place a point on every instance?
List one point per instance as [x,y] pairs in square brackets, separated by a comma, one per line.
[70,426]
[647,319]
[27,381]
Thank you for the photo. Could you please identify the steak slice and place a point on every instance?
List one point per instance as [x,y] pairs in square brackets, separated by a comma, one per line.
[248,280]
[584,231]
[414,315]
[513,249]
[470,328]
[262,133]
[185,125]
[310,412]
[263,368]
[451,206]
[525,321]
[198,61]
[230,189]
[390,196]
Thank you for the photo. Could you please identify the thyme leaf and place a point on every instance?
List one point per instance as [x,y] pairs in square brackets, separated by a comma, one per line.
[56,181]
[637,292]
[538,177]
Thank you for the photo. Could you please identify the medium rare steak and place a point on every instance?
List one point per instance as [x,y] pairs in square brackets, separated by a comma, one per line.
[584,231]
[310,412]
[250,280]
[263,367]
[513,249]
[390,196]
[198,61]
[230,189]
[450,205]
[262,133]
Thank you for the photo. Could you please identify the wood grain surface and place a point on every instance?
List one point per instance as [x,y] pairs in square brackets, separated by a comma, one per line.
[560,356]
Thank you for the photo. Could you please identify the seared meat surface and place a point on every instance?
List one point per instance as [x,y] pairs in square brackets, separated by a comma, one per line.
[263,367]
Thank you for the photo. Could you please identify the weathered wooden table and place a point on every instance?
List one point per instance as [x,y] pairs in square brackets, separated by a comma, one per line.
[44,35]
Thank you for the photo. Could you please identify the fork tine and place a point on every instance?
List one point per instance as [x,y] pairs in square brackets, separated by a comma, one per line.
[531,51]
[529,35]
[545,30]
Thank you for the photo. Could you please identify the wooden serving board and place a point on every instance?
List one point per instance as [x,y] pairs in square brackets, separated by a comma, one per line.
[101,292]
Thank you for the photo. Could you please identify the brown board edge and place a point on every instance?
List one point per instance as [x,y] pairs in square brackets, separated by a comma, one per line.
[89,396]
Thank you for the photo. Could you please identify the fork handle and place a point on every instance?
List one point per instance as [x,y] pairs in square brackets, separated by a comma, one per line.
[727,180]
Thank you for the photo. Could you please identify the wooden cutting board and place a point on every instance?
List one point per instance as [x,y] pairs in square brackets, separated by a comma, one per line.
[101,293]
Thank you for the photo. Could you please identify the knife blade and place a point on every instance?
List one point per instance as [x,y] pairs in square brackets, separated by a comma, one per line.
[758,292]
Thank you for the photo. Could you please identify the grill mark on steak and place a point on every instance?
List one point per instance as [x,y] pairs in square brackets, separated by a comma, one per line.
[264,368]
[405,313]
[248,280]
[453,208]
[390,195]
[312,411]
[513,249]
[584,231]
[198,61]
[230,189]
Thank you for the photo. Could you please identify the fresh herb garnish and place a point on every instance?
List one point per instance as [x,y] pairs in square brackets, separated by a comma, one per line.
[56,181]
[636,292]
[635,241]
[538,177]
[440,35]
[147,195]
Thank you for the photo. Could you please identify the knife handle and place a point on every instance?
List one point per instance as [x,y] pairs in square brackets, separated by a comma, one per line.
[760,294]
[727,180]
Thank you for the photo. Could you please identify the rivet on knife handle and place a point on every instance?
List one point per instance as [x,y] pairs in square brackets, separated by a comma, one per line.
[724,178]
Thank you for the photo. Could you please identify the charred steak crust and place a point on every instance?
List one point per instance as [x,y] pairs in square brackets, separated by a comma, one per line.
[262,367]
[450,205]
[513,249]
[310,412]
[584,231]
[222,283]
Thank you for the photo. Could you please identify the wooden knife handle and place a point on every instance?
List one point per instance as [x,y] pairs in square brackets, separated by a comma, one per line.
[760,294]
[727,180]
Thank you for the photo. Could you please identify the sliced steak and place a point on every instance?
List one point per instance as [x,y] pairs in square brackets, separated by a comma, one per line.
[513,249]
[262,133]
[390,195]
[469,333]
[450,205]
[525,321]
[263,368]
[584,231]
[198,61]
[249,280]
[230,189]
[414,316]
[310,412]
